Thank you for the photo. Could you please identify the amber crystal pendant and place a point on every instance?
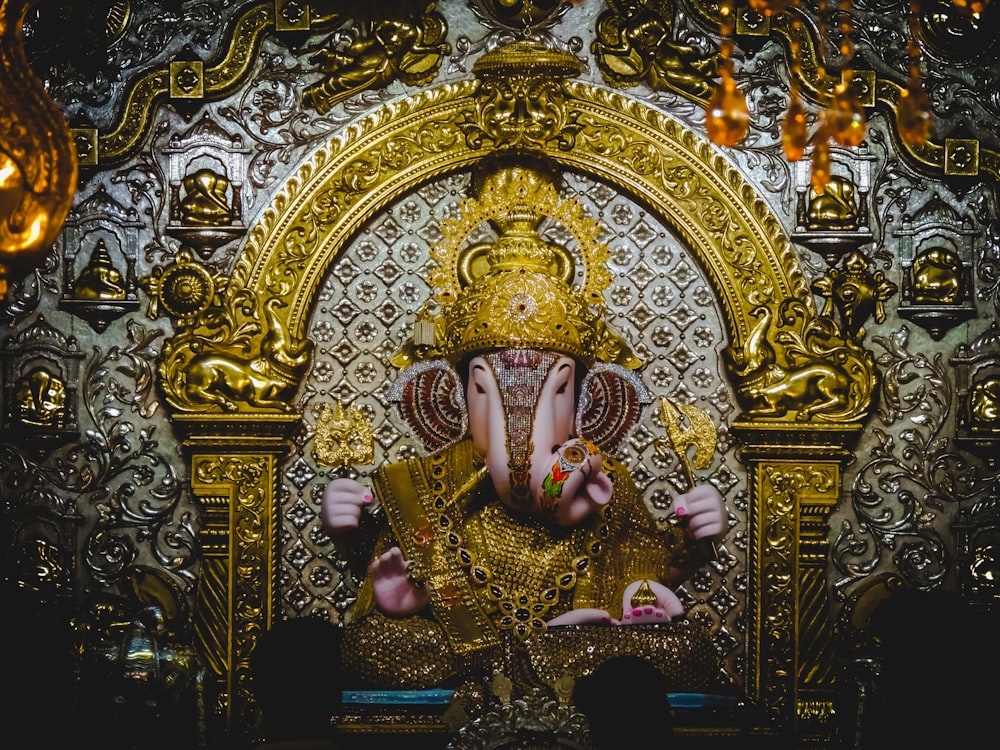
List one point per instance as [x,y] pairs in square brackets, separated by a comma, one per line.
[845,119]
[914,114]
[972,8]
[728,119]
[794,130]
[770,7]
[820,164]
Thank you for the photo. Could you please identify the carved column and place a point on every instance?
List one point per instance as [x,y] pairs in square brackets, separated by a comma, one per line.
[234,462]
[794,480]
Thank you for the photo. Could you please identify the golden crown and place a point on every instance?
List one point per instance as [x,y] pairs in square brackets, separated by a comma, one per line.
[517,291]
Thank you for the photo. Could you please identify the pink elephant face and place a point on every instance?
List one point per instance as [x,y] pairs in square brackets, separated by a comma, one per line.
[521,405]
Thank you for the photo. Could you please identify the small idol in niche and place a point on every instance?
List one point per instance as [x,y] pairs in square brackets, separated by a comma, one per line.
[204,202]
[834,209]
[99,280]
[937,277]
[41,399]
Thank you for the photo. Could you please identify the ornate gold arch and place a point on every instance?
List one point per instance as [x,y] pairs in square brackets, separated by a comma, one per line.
[678,174]
[521,101]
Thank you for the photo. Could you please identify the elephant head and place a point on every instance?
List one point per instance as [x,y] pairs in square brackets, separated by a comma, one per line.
[517,357]
[539,418]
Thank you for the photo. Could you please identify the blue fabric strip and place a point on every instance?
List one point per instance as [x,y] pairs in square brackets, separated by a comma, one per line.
[397,697]
[443,697]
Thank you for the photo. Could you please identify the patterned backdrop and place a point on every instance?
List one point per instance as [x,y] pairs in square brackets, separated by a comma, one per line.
[658,299]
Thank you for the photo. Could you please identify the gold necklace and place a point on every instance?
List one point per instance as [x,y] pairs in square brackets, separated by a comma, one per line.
[522,610]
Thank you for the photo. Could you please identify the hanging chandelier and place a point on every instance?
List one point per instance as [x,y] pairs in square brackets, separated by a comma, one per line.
[842,120]
[37,158]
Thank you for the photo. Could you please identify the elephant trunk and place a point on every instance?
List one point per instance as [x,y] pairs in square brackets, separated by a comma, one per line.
[520,374]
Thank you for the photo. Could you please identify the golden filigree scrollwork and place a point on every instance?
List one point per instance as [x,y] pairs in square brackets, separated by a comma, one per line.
[238,495]
[522,99]
[241,42]
[855,293]
[634,44]
[343,436]
[37,157]
[789,374]
[407,48]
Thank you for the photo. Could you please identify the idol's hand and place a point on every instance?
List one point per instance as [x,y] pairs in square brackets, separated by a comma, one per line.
[574,484]
[702,512]
[341,506]
[396,593]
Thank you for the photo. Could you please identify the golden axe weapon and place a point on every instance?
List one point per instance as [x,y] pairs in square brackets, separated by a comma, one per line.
[687,427]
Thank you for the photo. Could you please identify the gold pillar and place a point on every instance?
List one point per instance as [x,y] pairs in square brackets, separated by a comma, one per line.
[235,460]
[794,476]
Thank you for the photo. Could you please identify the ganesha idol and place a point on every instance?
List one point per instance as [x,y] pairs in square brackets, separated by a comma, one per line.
[519,533]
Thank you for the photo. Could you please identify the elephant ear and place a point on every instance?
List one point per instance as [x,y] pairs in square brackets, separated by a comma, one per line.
[430,399]
[610,405]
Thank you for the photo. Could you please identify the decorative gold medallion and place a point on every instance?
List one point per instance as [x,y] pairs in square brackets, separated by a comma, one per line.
[343,437]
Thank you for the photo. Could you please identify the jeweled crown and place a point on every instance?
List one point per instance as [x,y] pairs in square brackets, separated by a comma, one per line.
[517,291]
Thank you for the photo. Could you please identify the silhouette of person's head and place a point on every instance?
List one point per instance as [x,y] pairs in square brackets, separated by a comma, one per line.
[933,651]
[623,695]
[924,635]
[296,678]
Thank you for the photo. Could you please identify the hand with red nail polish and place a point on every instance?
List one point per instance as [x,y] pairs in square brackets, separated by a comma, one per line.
[341,506]
[702,511]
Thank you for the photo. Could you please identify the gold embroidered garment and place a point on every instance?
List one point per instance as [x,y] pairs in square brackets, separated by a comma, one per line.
[491,571]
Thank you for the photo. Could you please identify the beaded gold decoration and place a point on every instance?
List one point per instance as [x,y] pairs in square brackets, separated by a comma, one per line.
[537,568]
